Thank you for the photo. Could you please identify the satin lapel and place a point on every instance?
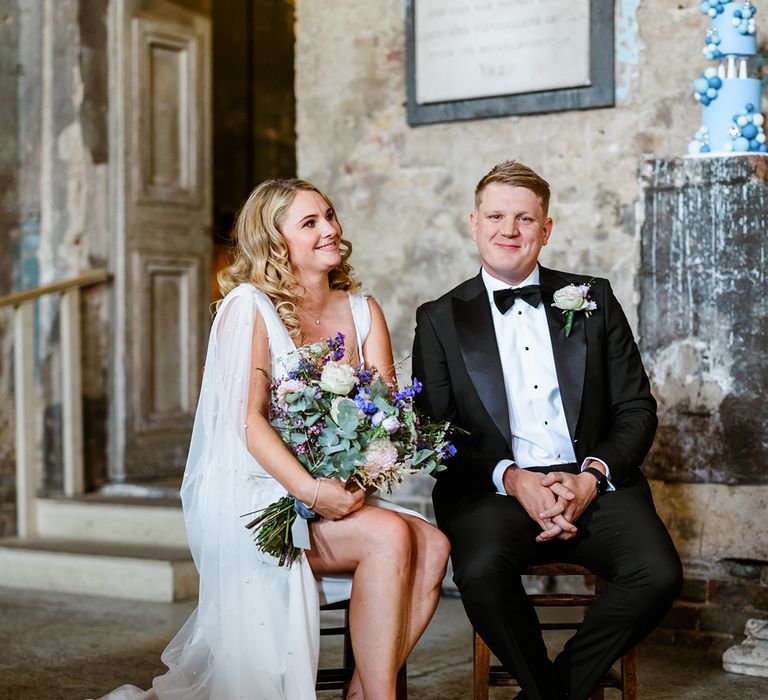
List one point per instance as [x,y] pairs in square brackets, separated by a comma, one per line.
[570,353]
[477,341]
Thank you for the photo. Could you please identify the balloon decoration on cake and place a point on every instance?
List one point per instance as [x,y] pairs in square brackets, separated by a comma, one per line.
[728,92]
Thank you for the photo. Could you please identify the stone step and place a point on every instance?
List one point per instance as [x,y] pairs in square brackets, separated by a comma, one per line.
[96,518]
[136,572]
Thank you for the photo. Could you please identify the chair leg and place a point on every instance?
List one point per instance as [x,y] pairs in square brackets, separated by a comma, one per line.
[348,655]
[629,675]
[401,687]
[482,664]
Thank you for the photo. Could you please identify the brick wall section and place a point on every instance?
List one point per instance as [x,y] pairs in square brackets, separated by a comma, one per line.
[711,612]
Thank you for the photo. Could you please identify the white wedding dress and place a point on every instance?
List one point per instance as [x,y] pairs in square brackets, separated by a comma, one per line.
[255,632]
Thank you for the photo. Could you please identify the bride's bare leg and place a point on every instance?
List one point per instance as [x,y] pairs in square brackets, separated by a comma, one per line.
[429,556]
[430,550]
[375,544]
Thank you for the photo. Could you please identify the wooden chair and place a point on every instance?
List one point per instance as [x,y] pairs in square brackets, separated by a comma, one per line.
[487,675]
[339,678]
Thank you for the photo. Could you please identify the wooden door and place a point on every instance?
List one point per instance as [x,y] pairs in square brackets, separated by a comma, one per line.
[160,136]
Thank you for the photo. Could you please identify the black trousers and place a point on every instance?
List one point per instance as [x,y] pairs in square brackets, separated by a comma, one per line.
[619,537]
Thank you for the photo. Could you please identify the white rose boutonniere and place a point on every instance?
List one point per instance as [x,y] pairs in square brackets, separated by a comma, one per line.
[573,298]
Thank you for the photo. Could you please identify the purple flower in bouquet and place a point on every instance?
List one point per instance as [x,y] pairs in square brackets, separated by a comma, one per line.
[448,451]
[365,376]
[409,392]
[336,348]
[363,400]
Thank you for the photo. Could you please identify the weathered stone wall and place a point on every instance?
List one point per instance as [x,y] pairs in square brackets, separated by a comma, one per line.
[704,316]
[57,52]
[9,233]
[404,195]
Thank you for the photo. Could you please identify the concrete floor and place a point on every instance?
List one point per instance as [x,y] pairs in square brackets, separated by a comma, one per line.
[69,647]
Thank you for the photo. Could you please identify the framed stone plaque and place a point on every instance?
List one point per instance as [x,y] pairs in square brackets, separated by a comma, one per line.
[471,59]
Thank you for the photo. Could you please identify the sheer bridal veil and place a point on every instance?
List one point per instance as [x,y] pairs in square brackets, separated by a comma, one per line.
[255,631]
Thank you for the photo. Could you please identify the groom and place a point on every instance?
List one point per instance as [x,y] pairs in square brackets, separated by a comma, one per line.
[541,369]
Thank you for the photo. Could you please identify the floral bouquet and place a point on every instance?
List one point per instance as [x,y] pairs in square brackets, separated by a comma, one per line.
[347,424]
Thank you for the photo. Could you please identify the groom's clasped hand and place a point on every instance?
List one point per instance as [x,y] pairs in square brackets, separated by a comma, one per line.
[546,498]
[554,500]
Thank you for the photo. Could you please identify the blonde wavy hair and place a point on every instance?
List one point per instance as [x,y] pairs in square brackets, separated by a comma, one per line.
[261,255]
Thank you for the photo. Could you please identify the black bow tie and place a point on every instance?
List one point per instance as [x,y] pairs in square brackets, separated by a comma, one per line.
[504,298]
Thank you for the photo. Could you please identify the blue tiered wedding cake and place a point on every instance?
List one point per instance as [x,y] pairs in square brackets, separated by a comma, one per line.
[729,94]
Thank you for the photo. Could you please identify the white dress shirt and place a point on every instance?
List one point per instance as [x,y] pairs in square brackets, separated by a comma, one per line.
[537,422]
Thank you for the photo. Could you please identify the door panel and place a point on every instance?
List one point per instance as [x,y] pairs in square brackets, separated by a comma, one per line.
[160,139]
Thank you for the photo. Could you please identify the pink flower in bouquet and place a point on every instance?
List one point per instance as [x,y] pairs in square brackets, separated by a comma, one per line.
[380,457]
[288,386]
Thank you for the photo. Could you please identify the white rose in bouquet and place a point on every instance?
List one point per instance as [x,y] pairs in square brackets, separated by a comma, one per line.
[337,378]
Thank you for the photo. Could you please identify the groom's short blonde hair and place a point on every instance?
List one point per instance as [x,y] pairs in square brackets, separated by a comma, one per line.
[514,174]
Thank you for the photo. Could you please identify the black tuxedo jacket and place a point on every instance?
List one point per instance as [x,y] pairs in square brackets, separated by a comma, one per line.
[608,405]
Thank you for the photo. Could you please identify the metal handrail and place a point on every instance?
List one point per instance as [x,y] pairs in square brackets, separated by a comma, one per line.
[85,280]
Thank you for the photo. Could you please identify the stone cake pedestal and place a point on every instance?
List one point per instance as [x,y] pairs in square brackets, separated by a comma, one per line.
[703,316]
[703,334]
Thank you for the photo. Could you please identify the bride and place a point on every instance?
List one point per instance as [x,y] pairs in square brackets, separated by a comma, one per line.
[255,632]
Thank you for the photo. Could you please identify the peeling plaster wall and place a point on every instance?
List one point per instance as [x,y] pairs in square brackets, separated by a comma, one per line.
[703,317]
[74,226]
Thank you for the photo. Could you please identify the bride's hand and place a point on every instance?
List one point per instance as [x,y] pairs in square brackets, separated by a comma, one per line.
[355,486]
[334,500]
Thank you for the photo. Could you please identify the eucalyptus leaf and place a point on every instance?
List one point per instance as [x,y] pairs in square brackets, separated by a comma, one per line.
[384,406]
[420,456]
[348,416]
[378,389]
